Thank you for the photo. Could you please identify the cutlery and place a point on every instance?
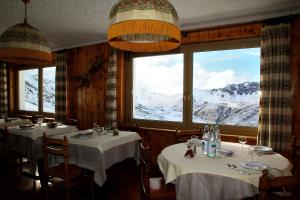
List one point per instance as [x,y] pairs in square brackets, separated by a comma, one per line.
[233,166]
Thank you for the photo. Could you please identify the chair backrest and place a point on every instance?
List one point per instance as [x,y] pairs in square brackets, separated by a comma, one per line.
[4,141]
[72,122]
[56,147]
[34,118]
[288,186]
[184,135]
[145,155]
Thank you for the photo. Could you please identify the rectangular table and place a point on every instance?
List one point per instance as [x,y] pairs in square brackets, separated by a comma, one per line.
[16,122]
[99,152]
[29,141]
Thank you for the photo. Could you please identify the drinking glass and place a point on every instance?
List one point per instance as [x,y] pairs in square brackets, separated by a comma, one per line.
[242,141]
[251,152]
[40,122]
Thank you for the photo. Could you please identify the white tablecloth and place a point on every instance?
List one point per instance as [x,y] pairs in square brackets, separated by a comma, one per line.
[98,153]
[213,176]
[29,141]
[17,122]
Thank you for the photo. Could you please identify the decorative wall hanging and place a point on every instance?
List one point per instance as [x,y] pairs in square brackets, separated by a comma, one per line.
[85,79]
[23,44]
[144,26]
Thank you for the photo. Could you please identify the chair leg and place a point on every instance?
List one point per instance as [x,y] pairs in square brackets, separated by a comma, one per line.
[67,193]
[92,189]
[20,165]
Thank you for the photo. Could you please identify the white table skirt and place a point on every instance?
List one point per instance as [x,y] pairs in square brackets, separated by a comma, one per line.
[211,177]
[29,141]
[99,153]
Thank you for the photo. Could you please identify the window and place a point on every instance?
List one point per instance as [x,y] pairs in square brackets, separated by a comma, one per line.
[49,89]
[207,83]
[33,83]
[29,90]
[226,87]
[158,87]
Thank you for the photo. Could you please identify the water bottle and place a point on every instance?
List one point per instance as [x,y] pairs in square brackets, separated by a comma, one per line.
[211,144]
[218,137]
[204,139]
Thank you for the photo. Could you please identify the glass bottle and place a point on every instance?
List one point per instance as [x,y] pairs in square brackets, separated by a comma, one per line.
[218,137]
[211,144]
[205,138]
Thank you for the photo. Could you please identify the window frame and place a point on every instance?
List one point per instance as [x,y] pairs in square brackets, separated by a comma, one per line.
[187,51]
[40,93]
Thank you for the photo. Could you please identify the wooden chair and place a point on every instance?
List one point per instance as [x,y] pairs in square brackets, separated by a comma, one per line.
[284,187]
[295,155]
[152,188]
[34,118]
[72,122]
[64,175]
[184,135]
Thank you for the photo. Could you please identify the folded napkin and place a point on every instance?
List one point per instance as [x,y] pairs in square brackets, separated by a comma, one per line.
[226,152]
[84,134]
[190,153]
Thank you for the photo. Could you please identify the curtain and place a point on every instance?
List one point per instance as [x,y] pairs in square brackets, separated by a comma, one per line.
[3,89]
[275,114]
[60,87]
[111,90]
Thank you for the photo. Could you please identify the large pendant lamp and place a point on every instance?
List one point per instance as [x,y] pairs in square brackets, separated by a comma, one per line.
[144,26]
[23,44]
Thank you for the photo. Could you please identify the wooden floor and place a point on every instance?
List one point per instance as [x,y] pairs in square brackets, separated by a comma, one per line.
[122,183]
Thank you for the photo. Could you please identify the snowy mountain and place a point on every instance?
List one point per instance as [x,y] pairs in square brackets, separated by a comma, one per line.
[31,90]
[235,104]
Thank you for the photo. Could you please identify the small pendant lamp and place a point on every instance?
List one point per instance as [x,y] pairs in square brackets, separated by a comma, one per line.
[144,26]
[23,44]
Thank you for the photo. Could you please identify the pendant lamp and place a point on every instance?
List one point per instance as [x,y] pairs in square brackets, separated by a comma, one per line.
[23,44]
[144,26]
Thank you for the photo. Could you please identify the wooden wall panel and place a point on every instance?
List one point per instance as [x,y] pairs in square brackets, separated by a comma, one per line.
[222,33]
[87,103]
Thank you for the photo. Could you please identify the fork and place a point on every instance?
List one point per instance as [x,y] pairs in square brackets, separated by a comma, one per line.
[233,166]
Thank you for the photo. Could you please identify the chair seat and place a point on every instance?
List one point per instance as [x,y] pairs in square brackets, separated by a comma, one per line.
[59,171]
[159,190]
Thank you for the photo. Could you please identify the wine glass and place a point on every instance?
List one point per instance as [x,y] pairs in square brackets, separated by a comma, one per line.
[40,121]
[242,141]
[252,152]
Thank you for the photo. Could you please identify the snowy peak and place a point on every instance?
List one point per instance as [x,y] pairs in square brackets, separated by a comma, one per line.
[245,88]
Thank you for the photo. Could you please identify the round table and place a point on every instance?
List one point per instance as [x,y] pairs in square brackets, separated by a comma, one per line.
[202,177]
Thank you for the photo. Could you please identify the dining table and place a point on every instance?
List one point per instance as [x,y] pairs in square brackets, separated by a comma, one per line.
[27,140]
[232,174]
[12,122]
[99,151]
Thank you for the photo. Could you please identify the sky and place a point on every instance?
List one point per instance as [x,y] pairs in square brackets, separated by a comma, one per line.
[214,69]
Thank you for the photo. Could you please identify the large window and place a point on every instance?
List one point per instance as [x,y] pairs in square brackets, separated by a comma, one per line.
[208,83]
[158,87]
[37,89]
[226,86]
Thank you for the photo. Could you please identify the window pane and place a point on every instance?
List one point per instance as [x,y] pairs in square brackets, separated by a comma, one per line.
[158,87]
[226,86]
[49,89]
[28,90]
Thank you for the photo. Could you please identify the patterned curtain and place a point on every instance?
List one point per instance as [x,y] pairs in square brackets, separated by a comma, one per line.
[3,89]
[111,90]
[275,114]
[60,87]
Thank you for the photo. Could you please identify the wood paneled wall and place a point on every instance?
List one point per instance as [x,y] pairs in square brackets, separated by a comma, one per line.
[87,104]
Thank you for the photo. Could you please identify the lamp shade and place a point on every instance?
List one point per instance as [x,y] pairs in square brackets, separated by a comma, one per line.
[23,44]
[144,26]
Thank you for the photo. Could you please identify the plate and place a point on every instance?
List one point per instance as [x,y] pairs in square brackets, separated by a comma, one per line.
[30,126]
[263,149]
[254,165]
